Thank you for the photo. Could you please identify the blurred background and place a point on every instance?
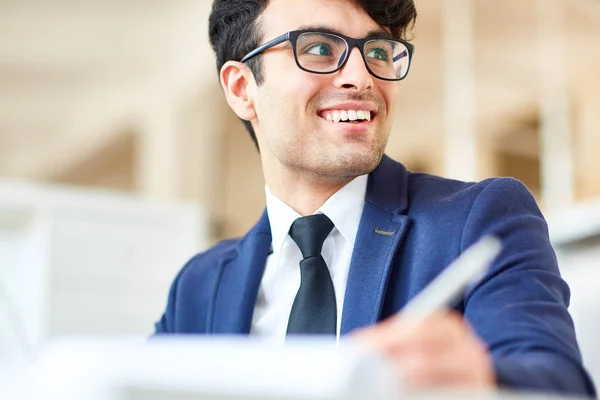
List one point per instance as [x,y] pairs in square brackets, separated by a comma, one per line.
[119,158]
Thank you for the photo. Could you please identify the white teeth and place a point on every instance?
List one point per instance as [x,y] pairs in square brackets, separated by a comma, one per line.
[348,115]
[336,116]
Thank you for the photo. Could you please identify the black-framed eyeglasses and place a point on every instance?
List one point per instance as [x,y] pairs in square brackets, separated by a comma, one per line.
[323,52]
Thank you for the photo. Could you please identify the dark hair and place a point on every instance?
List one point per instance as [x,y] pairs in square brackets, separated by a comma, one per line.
[234,29]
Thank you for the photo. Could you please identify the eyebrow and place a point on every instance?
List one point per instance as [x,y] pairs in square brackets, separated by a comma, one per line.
[380,33]
[374,33]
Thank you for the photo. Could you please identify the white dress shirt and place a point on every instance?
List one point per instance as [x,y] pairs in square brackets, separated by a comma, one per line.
[281,279]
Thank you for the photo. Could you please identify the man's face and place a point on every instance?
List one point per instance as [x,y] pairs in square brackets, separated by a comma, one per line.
[292,105]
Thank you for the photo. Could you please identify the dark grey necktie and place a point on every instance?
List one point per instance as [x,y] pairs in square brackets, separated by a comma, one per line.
[314,309]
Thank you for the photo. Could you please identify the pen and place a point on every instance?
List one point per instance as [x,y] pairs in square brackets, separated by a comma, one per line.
[469,267]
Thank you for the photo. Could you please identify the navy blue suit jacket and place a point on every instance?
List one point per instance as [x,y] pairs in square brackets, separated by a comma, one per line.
[519,309]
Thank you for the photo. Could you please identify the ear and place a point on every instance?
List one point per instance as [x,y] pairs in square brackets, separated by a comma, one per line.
[236,80]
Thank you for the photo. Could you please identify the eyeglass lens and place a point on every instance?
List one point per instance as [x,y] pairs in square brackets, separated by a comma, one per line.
[324,52]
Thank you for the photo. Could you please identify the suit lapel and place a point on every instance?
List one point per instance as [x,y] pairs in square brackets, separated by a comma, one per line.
[239,282]
[379,235]
[381,231]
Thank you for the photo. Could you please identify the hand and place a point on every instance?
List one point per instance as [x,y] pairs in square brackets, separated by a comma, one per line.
[439,351]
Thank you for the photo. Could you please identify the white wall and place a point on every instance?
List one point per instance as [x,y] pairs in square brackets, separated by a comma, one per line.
[77,262]
[576,237]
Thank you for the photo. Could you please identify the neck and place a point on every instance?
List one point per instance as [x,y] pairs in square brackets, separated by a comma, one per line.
[304,194]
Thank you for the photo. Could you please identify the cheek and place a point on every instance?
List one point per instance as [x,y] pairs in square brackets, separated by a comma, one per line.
[286,80]
[292,100]
[390,91]
[301,89]
[285,111]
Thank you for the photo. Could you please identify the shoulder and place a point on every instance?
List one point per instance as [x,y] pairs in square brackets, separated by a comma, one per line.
[503,207]
[443,208]
[207,263]
[433,191]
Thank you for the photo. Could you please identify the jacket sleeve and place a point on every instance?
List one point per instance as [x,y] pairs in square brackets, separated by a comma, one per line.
[520,307]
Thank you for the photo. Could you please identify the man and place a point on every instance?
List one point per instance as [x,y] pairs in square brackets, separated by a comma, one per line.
[349,236]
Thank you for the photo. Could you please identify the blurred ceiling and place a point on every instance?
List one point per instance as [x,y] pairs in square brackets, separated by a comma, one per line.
[72,72]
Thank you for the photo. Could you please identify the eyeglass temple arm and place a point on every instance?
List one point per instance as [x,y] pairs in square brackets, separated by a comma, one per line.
[265,46]
[410,50]
[401,55]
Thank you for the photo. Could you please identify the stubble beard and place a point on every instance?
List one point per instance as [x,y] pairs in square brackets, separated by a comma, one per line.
[328,163]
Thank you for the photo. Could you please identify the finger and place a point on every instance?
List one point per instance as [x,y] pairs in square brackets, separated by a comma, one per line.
[466,362]
[396,334]
[435,369]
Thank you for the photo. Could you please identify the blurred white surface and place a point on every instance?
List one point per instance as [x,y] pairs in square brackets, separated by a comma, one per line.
[227,368]
[77,262]
[207,368]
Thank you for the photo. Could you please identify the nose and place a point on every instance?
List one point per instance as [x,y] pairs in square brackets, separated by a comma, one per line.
[354,74]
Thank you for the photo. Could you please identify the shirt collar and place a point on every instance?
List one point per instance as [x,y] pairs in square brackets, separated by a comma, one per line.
[344,209]
[281,217]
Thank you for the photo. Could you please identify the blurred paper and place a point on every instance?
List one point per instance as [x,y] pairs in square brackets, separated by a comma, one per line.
[209,368]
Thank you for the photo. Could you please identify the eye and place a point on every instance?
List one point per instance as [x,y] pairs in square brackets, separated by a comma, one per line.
[319,49]
[378,54]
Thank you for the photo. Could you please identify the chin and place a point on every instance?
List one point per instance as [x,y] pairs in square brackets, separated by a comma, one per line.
[350,164]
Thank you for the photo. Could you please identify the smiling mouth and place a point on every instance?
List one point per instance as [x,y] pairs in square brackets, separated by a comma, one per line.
[347,116]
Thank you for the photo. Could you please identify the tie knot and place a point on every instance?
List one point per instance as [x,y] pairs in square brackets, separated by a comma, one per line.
[310,232]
